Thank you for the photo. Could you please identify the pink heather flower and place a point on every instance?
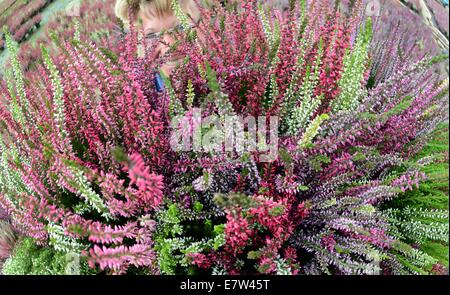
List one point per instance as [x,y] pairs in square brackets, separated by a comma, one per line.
[439,269]
[237,232]
[200,260]
[121,257]
[409,181]
[149,184]
[267,265]
[98,232]
[112,103]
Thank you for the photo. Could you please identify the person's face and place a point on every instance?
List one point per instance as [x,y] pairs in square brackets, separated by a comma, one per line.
[152,23]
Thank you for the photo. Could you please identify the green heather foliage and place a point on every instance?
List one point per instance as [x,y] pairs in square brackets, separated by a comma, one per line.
[174,249]
[355,65]
[420,216]
[30,259]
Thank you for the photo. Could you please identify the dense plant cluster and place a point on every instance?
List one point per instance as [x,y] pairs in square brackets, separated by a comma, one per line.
[423,211]
[30,259]
[87,166]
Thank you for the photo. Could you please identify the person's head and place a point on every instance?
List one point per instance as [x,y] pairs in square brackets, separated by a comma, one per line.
[154,16]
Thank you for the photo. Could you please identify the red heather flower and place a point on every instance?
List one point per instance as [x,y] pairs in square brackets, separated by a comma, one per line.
[98,232]
[290,253]
[302,211]
[3,214]
[336,39]
[273,216]
[376,237]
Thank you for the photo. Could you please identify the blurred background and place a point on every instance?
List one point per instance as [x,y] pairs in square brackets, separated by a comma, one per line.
[29,21]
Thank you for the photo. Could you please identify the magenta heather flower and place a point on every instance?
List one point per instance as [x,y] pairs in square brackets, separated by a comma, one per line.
[328,242]
[237,232]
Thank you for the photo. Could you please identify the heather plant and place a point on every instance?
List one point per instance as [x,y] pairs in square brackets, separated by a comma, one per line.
[30,259]
[371,228]
[46,204]
[87,168]
[420,217]
[27,28]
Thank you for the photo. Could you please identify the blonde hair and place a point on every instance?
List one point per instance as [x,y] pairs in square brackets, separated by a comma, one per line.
[161,7]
